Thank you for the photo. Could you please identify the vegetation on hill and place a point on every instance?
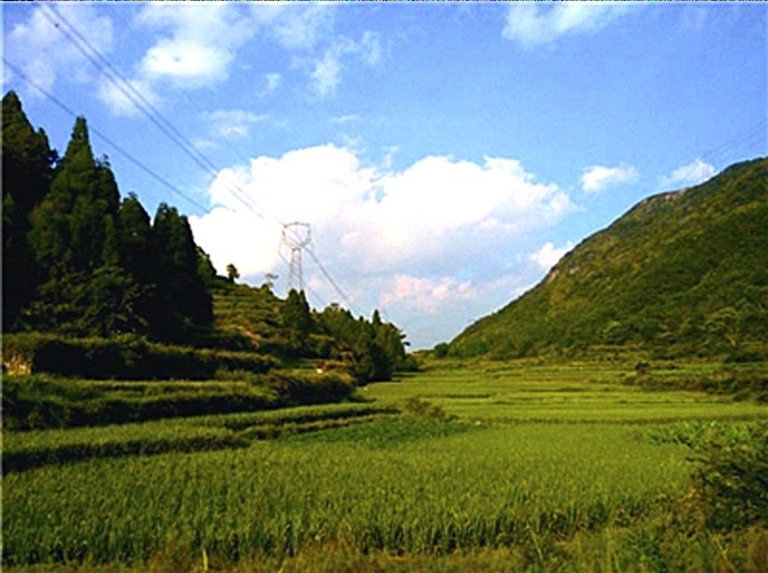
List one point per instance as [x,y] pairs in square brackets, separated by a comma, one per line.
[90,264]
[682,273]
[80,263]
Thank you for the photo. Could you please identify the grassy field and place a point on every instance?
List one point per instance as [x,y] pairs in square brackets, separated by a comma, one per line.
[487,467]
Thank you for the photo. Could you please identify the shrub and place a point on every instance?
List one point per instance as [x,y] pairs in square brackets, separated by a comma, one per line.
[123,357]
[421,408]
[298,387]
[732,481]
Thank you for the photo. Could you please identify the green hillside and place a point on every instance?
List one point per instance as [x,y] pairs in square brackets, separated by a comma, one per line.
[684,272]
[95,287]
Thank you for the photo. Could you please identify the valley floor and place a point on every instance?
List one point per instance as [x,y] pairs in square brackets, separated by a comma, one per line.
[462,467]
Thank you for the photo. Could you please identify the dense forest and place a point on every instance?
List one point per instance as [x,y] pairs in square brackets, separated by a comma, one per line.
[82,262]
[683,273]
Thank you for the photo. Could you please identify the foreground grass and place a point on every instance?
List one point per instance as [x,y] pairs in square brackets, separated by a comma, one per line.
[542,468]
[404,486]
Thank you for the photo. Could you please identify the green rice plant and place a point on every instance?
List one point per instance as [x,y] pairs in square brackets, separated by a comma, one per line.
[434,489]
[30,449]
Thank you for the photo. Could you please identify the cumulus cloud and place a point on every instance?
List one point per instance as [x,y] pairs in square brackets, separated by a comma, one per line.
[42,51]
[598,177]
[532,24]
[197,45]
[694,173]
[426,294]
[429,224]
[548,255]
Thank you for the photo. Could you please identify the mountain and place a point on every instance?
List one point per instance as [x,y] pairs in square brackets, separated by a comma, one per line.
[681,273]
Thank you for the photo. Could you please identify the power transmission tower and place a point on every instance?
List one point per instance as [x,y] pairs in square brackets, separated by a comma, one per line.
[296,237]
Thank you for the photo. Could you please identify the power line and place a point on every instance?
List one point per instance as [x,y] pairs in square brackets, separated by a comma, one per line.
[330,280]
[125,87]
[103,136]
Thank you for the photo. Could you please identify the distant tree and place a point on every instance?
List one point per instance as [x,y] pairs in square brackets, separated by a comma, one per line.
[27,170]
[373,364]
[440,350]
[269,280]
[232,273]
[297,320]
[205,268]
[100,303]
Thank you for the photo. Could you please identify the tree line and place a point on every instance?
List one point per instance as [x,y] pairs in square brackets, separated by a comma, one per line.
[80,261]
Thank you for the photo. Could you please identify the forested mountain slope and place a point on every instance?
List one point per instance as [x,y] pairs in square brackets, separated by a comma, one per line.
[684,272]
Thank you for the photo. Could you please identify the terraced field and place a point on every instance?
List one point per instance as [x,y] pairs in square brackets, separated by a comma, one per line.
[475,467]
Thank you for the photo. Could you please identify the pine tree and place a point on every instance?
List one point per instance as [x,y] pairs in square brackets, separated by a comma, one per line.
[27,169]
[68,228]
[75,237]
[185,305]
[297,321]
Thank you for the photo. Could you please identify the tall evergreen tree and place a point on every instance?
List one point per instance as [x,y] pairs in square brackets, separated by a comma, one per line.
[75,237]
[297,321]
[186,306]
[137,252]
[69,233]
[27,169]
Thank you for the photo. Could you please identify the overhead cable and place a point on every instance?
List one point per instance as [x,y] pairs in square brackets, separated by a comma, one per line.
[103,136]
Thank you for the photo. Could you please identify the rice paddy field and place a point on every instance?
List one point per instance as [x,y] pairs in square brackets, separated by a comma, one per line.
[462,467]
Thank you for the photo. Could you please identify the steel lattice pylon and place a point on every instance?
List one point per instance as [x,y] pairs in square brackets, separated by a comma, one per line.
[296,237]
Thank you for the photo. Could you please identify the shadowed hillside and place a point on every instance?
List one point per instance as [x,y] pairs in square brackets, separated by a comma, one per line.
[684,272]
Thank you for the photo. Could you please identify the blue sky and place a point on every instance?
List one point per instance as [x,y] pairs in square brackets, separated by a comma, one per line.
[444,156]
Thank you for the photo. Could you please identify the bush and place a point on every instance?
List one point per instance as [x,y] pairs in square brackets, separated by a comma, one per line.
[39,401]
[124,357]
[421,408]
[732,481]
[296,387]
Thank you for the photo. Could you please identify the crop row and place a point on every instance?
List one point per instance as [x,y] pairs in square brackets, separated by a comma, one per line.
[25,450]
[40,401]
[421,487]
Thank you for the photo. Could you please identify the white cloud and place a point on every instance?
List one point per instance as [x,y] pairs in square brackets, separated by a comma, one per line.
[548,255]
[44,53]
[532,24]
[694,173]
[233,123]
[369,48]
[295,26]
[425,294]
[598,177]
[432,222]
[200,44]
[186,63]
[326,73]
[120,99]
